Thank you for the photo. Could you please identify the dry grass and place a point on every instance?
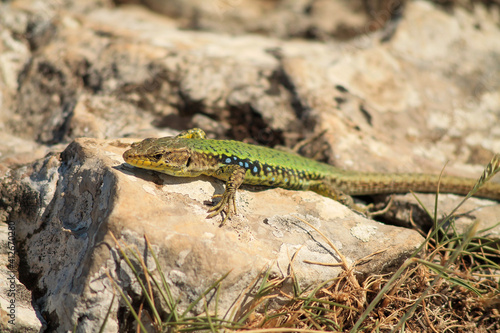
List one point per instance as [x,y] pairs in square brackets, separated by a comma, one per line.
[450,305]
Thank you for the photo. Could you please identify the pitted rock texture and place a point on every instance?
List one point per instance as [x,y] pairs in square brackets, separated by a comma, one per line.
[89,193]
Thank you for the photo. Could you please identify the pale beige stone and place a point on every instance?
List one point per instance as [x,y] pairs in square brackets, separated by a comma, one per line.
[94,194]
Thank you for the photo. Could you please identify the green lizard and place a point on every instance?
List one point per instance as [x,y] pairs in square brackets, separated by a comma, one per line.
[190,154]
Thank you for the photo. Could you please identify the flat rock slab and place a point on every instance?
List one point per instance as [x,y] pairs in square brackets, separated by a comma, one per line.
[87,192]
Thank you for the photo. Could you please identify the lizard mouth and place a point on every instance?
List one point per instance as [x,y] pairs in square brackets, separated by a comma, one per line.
[145,162]
[141,161]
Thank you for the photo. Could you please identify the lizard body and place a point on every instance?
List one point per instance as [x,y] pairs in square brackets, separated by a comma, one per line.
[190,154]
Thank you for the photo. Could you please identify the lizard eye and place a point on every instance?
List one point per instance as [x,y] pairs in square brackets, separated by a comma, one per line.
[157,156]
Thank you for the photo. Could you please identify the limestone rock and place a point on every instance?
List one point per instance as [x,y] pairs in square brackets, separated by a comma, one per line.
[406,210]
[88,192]
[16,311]
[281,18]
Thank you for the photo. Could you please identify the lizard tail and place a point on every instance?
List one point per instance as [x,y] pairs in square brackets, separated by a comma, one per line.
[354,183]
[374,183]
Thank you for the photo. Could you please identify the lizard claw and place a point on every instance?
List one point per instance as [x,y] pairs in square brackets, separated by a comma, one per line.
[382,211]
[224,205]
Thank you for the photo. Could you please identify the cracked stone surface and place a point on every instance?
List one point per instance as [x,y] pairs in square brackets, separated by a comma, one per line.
[89,193]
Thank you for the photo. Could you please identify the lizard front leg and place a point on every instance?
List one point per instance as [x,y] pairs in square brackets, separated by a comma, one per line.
[235,175]
[193,133]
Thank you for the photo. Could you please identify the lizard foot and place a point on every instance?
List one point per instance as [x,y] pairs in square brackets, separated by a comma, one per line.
[382,211]
[224,205]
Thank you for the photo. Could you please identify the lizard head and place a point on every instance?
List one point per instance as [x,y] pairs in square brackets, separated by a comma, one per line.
[168,155]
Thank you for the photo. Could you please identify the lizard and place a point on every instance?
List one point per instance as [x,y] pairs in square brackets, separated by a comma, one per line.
[191,154]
